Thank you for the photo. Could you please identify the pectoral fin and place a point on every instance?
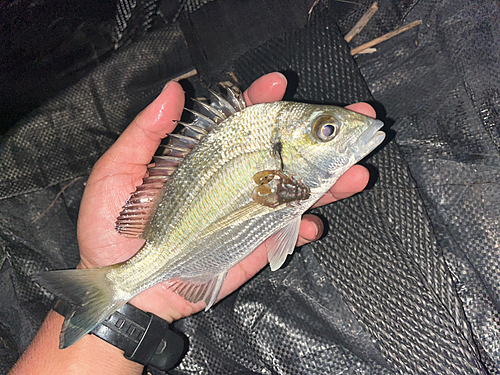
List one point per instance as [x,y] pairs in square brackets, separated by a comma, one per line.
[282,244]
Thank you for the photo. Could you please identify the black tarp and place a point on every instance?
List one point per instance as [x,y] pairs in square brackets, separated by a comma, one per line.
[406,278]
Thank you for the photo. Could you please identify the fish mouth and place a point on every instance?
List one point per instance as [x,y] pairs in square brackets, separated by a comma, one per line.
[369,140]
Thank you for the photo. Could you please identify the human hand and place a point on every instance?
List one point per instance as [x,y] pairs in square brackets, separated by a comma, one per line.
[121,169]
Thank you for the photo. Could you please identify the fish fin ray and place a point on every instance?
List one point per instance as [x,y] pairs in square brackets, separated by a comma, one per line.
[130,222]
[85,319]
[211,111]
[221,104]
[282,244]
[192,131]
[147,196]
[89,293]
[179,145]
[198,288]
[201,121]
[166,162]
[236,100]
[221,108]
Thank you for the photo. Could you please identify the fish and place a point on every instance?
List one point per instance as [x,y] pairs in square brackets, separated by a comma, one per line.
[230,179]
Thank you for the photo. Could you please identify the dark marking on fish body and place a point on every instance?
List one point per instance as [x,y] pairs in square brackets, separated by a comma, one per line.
[277,148]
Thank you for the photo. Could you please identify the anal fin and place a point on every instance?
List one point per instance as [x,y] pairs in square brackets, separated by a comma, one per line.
[199,289]
[282,244]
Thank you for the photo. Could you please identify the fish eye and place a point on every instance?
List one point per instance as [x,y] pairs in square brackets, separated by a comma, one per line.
[325,128]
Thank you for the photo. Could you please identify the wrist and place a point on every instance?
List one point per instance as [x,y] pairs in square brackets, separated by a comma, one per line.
[145,304]
[140,336]
[106,358]
[90,355]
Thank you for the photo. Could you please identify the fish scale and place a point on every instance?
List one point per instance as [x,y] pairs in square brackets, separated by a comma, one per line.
[180,216]
[196,209]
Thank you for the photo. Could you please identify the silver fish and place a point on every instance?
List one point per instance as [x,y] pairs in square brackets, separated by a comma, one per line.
[232,178]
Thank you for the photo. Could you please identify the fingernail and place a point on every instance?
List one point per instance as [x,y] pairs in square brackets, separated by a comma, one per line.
[168,84]
[316,228]
[277,83]
[282,75]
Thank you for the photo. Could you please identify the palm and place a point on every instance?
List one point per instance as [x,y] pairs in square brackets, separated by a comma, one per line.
[122,168]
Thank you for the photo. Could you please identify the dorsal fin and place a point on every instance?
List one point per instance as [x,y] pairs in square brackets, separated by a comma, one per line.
[235,100]
[178,145]
[202,121]
[139,208]
[192,131]
[221,104]
[213,113]
[135,215]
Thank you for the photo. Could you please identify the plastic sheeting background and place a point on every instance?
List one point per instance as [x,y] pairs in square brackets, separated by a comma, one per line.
[441,86]
[54,147]
[374,295]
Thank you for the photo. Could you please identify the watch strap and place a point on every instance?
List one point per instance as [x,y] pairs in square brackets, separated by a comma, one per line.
[144,337]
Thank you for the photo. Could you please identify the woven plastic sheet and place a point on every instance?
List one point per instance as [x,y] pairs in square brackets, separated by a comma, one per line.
[374,296]
[379,254]
[441,85]
[49,155]
[86,118]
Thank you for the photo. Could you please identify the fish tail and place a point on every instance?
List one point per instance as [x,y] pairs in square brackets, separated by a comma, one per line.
[91,295]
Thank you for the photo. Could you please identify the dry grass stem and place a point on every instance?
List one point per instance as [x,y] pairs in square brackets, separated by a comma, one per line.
[191,73]
[233,77]
[56,198]
[367,51]
[385,37]
[362,22]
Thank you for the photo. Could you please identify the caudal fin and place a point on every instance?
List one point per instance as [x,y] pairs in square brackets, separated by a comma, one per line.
[89,292]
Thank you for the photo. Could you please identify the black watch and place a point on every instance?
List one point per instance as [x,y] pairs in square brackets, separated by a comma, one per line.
[143,337]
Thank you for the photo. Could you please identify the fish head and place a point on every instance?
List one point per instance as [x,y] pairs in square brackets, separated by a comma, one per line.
[320,142]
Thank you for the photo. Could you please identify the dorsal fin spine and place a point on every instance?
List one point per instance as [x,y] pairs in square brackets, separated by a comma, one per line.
[235,100]
[136,214]
[202,121]
[179,140]
[221,104]
[193,131]
[213,113]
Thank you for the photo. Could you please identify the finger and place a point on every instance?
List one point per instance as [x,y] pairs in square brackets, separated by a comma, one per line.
[351,182]
[244,271]
[266,89]
[363,108]
[142,137]
[311,229]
